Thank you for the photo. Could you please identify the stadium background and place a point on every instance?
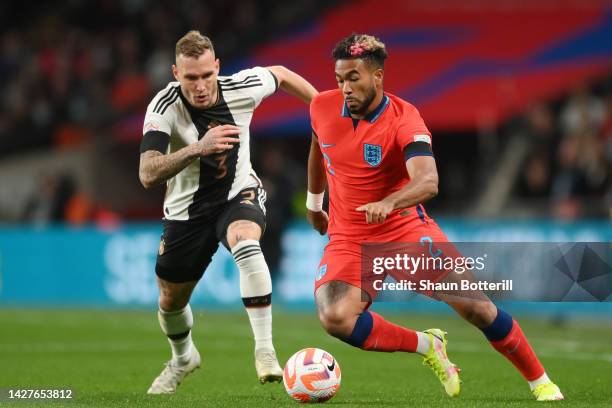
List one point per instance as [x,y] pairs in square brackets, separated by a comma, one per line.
[518,97]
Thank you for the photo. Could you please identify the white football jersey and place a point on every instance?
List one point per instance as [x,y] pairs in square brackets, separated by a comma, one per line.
[212,180]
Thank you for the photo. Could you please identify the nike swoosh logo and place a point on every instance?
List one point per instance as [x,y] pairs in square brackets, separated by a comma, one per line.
[332,365]
[518,343]
[324,145]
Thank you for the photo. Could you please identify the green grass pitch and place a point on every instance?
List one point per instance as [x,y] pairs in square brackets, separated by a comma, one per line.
[109,358]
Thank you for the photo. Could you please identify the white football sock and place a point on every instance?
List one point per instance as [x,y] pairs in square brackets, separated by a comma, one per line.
[255,290]
[177,326]
[423,343]
[542,380]
[261,323]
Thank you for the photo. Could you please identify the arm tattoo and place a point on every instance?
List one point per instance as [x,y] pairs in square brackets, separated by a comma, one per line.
[155,167]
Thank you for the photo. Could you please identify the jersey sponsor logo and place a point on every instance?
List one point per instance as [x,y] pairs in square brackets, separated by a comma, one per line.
[321,272]
[372,154]
[422,138]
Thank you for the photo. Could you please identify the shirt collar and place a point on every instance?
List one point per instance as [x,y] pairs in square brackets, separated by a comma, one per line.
[372,116]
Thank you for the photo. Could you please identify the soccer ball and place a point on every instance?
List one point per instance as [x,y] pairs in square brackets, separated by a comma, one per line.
[311,375]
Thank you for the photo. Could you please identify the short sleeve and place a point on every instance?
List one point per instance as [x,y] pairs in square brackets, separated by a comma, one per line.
[160,115]
[257,82]
[157,123]
[413,137]
[156,133]
[313,116]
[157,126]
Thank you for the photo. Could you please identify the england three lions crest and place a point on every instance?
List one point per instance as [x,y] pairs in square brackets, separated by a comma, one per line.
[372,154]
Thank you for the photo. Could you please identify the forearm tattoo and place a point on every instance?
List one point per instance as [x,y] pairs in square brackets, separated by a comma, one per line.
[156,167]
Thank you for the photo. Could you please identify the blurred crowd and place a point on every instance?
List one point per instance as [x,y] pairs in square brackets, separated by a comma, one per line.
[71,71]
[569,167]
[77,73]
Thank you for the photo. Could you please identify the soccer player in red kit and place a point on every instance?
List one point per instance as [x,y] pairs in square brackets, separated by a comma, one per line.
[374,152]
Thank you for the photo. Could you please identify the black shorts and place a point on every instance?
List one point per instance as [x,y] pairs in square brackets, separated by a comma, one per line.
[187,247]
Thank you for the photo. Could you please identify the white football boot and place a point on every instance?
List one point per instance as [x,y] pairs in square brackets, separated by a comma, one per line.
[173,374]
[266,364]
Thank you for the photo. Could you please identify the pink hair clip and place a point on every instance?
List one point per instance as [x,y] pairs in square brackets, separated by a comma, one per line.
[356,50]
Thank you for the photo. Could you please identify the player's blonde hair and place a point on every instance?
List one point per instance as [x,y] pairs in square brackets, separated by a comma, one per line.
[363,46]
[193,44]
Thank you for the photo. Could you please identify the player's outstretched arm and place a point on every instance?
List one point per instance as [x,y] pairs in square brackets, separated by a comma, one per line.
[156,167]
[316,188]
[422,187]
[293,83]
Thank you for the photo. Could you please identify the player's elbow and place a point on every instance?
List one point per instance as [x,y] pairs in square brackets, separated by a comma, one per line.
[146,183]
[146,180]
[280,73]
[431,188]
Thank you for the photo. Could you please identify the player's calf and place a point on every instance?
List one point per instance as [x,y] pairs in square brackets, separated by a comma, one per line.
[174,296]
[480,313]
[506,336]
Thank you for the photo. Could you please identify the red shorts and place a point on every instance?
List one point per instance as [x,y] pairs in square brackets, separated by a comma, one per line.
[353,261]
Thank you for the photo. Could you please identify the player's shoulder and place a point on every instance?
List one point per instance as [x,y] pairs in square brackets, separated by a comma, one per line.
[249,76]
[164,99]
[403,112]
[401,106]
[326,101]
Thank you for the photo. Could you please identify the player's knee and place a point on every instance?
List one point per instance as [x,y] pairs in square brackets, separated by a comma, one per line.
[170,302]
[241,230]
[336,322]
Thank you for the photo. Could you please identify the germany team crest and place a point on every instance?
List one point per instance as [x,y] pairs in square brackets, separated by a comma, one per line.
[372,154]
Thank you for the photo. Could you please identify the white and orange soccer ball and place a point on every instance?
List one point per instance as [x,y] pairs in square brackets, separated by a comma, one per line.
[312,375]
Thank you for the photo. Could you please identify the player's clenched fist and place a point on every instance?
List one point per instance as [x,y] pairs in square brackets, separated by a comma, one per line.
[218,139]
[377,212]
[318,220]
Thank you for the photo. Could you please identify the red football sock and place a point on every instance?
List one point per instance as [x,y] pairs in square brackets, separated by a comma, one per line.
[386,336]
[516,348]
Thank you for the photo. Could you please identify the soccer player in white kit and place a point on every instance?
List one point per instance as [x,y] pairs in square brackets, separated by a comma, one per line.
[196,140]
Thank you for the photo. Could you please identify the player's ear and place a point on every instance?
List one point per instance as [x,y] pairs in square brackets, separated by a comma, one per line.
[378,76]
[175,72]
[217,65]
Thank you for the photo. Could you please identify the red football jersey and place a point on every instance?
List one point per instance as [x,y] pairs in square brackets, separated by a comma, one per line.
[365,162]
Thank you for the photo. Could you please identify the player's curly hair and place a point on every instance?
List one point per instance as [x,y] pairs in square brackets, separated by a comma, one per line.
[193,44]
[364,46]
